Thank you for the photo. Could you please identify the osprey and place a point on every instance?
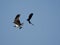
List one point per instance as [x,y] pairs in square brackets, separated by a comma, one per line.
[29,18]
[17,22]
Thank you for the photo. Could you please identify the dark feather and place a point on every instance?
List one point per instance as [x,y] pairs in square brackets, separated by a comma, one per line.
[29,18]
[16,20]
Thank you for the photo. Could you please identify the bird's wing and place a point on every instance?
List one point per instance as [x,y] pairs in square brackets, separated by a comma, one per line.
[30,16]
[16,20]
[17,17]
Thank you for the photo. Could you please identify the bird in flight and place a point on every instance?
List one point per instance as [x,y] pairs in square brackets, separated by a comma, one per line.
[17,22]
[29,18]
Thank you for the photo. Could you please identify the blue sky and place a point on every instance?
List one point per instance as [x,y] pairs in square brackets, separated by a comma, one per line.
[46,20]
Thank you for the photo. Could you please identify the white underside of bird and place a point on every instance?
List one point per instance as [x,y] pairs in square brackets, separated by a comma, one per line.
[17,25]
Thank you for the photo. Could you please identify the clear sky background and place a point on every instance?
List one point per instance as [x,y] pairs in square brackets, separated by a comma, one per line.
[46,20]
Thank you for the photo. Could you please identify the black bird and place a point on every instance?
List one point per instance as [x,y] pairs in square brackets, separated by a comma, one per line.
[29,18]
[17,22]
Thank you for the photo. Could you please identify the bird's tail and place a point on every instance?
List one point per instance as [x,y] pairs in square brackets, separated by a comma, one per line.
[30,23]
[21,25]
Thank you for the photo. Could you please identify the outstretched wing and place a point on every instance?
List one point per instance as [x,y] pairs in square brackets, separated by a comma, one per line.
[30,16]
[17,17]
[16,20]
